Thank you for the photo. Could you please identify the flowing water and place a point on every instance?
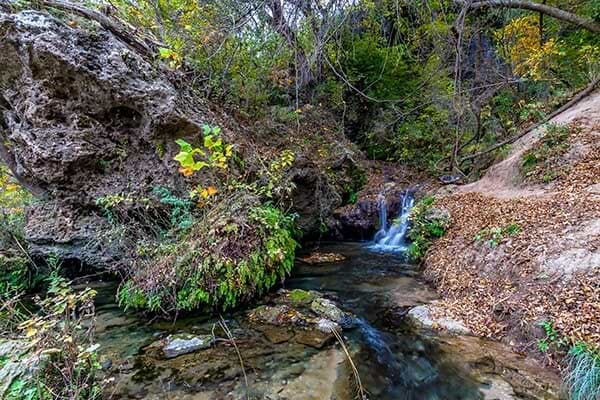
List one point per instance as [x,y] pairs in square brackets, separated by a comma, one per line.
[392,238]
[394,361]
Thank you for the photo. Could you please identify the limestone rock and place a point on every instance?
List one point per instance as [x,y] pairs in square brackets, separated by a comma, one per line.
[176,345]
[426,317]
[325,308]
[83,117]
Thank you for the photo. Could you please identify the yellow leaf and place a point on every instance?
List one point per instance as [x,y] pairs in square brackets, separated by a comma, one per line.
[187,171]
[31,331]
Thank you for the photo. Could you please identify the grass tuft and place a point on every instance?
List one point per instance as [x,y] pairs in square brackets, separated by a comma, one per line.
[582,381]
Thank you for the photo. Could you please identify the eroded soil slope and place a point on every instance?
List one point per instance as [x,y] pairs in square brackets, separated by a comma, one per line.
[522,251]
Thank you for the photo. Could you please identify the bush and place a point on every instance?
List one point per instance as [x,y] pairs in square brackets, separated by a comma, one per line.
[52,351]
[238,250]
[427,224]
[15,274]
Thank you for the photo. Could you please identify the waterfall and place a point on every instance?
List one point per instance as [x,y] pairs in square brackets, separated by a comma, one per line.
[393,237]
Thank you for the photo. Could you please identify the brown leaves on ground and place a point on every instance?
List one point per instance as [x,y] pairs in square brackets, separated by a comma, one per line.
[320,258]
[503,287]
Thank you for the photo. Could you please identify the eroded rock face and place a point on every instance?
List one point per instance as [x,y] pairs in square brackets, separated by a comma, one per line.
[361,220]
[82,116]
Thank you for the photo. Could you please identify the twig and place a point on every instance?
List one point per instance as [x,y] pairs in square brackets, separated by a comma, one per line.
[232,339]
[360,388]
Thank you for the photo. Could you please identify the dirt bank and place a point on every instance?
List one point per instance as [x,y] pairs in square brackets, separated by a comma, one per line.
[521,251]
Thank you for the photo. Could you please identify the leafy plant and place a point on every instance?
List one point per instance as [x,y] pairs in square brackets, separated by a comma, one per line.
[214,155]
[551,337]
[59,337]
[427,225]
[208,267]
[181,216]
[494,236]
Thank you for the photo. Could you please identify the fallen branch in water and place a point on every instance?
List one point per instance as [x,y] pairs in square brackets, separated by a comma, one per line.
[232,339]
[361,390]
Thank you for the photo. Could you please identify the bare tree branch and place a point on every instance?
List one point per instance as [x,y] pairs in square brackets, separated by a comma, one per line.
[107,23]
[584,93]
[537,7]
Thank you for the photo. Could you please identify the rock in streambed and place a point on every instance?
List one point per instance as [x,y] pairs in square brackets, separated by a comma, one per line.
[176,345]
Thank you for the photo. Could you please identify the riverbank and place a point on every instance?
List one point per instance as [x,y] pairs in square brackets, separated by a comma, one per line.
[521,260]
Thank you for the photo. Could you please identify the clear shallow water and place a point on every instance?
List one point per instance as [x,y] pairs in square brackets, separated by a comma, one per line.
[394,361]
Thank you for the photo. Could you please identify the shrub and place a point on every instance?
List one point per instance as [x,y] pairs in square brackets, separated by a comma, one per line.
[15,276]
[53,349]
[238,250]
[427,224]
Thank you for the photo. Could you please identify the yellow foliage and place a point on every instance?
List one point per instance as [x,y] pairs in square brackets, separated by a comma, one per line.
[529,55]
[12,196]
[589,56]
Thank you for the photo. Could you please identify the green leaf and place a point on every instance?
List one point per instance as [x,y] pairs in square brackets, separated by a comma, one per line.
[185,159]
[164,52]
[185,146]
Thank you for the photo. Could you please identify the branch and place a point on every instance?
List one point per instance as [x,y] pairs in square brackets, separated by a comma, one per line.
[115,28]
[584,93]
[537,7]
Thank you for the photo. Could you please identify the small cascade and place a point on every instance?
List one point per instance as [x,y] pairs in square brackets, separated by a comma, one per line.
[392,238]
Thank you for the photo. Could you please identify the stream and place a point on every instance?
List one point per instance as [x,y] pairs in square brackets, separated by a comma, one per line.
[394,360]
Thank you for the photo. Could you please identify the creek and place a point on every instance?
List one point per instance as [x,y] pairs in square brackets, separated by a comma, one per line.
[394,359]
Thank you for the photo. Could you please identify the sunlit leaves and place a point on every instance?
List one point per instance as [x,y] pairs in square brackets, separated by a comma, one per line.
[528,53]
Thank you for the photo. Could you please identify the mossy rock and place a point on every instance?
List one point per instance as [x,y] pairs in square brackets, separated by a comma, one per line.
[238,251]
[299,296]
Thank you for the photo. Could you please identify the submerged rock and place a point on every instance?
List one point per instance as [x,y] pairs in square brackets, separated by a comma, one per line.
[176,345]
[325,325]
[327,309]
[320,258]
[303,316]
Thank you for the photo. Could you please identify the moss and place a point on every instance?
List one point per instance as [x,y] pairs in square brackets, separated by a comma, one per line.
[214,266]
[299,296]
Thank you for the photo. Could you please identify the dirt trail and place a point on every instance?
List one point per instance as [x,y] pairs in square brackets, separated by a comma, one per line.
[502,179]
[521,251]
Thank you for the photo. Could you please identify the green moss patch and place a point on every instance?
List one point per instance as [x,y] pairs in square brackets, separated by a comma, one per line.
[299,296]
[237,251]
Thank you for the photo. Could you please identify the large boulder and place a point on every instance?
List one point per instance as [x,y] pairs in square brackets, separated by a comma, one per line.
[82,116]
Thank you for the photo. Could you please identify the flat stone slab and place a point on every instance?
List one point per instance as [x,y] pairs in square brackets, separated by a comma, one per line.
[179,344]
[423,317]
